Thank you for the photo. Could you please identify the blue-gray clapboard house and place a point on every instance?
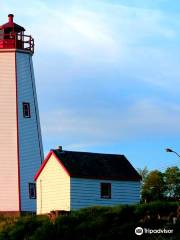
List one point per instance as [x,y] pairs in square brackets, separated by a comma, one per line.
[69,180]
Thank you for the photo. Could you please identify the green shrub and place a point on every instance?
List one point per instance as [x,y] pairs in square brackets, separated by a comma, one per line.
[154,208]
[95,223]
[44,232]
[22,229]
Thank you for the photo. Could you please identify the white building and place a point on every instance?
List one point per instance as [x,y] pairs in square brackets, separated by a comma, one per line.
[72,180]
[20,135]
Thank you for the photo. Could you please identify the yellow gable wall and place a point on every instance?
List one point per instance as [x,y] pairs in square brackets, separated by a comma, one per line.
[53,188]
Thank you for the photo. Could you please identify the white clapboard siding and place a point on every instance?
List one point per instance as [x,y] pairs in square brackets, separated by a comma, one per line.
[9,196]
[53,188]
[30,143]
[86,193]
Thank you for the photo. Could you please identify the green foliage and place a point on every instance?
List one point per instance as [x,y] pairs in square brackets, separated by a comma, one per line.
[154,186]
[95,223]
[158,186]
[162,208]
[6,221]
[172,181]
[44,232]
[22,229]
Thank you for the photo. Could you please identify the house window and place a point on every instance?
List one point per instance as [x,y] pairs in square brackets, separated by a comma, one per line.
[105,190]
[26,110]
[32,190]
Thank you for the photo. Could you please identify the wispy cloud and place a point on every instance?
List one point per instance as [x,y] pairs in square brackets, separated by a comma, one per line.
[91,31]
[142,118]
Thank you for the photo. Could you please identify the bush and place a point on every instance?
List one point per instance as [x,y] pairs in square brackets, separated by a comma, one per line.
[96,223]
[22,229]
[154,208]
[44,232]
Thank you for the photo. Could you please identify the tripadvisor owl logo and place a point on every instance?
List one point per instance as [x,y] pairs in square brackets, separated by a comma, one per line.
[139,231]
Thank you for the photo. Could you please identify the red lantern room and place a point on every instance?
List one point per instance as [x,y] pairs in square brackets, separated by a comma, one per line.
[12,36]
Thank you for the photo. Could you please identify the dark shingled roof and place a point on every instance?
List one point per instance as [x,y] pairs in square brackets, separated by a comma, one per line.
[97,165]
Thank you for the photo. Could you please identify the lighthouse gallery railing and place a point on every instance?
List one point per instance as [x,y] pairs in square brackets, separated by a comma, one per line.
[17,41]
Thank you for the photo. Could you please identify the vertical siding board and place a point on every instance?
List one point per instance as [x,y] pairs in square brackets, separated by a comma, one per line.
[53,188]
[9,197]
[29,147]
[86,192]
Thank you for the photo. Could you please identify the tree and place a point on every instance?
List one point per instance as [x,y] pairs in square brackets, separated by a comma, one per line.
[143,172]
[172,182]
[153,187]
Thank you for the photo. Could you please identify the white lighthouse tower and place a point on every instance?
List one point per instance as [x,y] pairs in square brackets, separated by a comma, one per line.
[21,151]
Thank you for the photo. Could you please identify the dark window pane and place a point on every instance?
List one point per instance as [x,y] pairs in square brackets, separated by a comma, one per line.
[105,190]
[26,110]
[32,190]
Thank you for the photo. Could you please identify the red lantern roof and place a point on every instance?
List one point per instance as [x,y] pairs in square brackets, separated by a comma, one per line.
[10,26]
[12,37]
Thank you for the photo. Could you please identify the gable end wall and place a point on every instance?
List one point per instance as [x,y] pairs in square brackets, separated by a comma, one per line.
[53,188]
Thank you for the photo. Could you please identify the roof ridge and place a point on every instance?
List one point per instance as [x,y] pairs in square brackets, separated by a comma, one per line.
[112,154]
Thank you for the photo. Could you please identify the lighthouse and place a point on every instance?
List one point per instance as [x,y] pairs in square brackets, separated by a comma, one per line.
[21,151]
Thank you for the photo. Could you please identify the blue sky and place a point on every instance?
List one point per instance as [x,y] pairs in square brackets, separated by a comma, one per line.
[107,75]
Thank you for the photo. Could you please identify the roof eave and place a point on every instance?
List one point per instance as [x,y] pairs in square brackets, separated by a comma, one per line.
[107,178]
[45,162]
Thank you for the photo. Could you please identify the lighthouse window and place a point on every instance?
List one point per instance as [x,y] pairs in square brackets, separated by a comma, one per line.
[26,110]
[32,190]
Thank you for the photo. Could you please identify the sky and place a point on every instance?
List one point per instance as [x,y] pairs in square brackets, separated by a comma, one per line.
[107,75]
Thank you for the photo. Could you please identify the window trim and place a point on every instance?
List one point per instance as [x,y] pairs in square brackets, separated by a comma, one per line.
[34,186]
[109,186]
[26,104]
